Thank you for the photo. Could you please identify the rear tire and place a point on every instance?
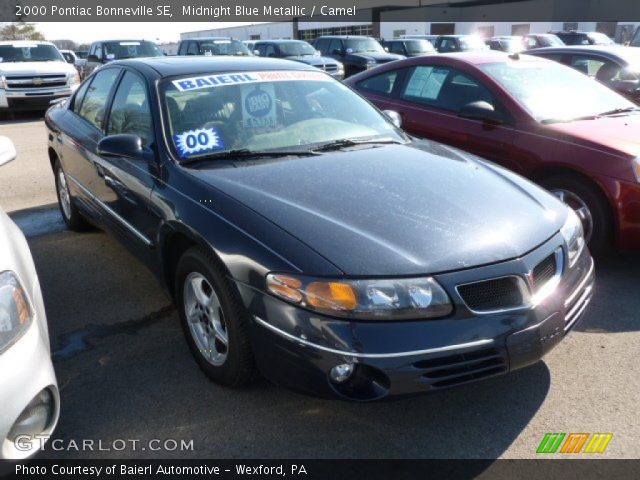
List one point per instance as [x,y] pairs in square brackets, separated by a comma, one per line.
[590,206]
[213,319]
[70,214]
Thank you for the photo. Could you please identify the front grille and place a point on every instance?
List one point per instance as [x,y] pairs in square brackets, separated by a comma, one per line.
[462,368]
[35,81]
[543,272]
[331,68]
[494,294]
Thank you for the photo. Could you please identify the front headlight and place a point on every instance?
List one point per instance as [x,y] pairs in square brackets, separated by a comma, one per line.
[15,312]
[73,78]
[573,237]
[636,168]
[379,299]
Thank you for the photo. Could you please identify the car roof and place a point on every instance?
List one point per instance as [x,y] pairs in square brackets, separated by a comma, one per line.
[123,40]
[170,66]
[207,38]
[344,36]
[627,54]
[24,42]
[489,56]
[280,40]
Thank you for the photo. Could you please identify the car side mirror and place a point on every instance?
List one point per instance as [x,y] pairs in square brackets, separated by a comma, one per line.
[482,111]
[337,51]
[394,116]
[628,86]
[93,58]
[121,145]
[70,60]
[7,150]
[386,49]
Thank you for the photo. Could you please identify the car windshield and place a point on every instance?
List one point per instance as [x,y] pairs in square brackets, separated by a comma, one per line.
[130,49]
[512,44]
[267,111]
[357,45]
[30,53]
[552,92]
[419,46]
[223,47]
[472,43]
[600,39]
[550,41]
[296,49]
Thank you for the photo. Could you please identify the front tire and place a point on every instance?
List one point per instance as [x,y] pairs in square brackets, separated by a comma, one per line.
[590,206]
[213,319]
[70,214]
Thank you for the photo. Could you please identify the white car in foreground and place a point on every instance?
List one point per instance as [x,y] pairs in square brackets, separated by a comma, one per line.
[29,400]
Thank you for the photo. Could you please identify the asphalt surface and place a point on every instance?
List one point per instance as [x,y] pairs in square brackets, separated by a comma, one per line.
[125,372]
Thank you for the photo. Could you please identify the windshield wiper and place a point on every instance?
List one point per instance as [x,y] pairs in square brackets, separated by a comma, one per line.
[347,142]
[247,153]
[548,121]
[616,111]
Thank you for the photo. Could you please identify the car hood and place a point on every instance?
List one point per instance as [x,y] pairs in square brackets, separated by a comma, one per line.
[379,57]
[397,210]
[36,68]
[313,60]
[620,133]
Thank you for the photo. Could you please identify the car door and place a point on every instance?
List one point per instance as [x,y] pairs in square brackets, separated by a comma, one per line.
[430,99]
[78,142]
[125,184]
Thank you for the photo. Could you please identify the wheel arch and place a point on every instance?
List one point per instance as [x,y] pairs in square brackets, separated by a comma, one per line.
[174,240]
[540,174]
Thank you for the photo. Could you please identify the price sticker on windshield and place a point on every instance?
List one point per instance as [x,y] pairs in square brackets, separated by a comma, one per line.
[258,106]
[194,142]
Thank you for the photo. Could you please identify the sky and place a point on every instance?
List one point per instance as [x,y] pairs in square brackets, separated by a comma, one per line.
[87,32]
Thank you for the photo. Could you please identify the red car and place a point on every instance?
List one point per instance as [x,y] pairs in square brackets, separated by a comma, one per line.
[541,119]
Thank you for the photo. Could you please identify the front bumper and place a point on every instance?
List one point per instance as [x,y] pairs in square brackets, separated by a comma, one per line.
[297,348]
[32,98]
[25,371]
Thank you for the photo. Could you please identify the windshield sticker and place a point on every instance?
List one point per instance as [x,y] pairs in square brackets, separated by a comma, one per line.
[258,106]
[211,81]
[111,56]
[197,141]
[208,53]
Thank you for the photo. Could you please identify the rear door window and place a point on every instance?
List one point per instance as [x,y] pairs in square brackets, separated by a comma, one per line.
[95,100]
[445,88]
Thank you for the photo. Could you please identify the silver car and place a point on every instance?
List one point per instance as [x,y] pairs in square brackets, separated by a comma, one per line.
[29,400]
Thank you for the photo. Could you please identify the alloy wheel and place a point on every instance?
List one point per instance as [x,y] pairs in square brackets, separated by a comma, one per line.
[205,319]
[580,207]
[64,195]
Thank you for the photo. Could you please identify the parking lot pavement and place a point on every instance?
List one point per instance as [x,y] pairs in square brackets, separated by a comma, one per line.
[27,181]
[125,372]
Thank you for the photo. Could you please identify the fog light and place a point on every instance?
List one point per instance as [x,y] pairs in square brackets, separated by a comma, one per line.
[35,418]
[342,373]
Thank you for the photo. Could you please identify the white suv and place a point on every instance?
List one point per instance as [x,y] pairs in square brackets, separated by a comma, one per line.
[32,74]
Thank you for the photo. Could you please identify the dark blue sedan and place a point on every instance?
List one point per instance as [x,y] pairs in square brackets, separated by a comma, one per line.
[301,232]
